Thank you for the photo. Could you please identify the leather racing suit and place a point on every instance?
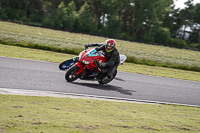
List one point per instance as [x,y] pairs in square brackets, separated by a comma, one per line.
[112,58]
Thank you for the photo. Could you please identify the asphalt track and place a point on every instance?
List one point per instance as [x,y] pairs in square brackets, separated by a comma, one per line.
[45,76]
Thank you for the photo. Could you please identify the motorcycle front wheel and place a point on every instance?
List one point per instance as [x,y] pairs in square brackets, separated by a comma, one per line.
[71,75]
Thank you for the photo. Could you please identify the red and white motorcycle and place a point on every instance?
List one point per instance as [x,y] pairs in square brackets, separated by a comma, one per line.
[85,67]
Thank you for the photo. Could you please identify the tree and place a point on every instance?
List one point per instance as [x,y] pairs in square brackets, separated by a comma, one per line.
[186,16]
[96,8]
[197,19]
[85,20]
[116,17]
[70,19]
[60,16]
[147,16]
[3,14]
[172,21]
[162,36]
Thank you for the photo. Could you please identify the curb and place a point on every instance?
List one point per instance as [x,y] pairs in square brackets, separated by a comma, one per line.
[9,91]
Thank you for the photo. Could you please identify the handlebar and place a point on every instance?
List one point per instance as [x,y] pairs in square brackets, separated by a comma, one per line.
[86,47]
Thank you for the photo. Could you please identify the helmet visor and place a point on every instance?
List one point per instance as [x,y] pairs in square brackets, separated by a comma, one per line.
[109,47]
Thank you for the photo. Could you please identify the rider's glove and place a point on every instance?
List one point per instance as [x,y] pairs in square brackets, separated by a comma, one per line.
[102,65]
[86,46]
[99,64]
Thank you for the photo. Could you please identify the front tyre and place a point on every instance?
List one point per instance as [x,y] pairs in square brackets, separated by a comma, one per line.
[106,80]
[71,75]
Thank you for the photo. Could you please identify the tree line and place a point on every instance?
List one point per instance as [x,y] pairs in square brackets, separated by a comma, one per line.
[150,21]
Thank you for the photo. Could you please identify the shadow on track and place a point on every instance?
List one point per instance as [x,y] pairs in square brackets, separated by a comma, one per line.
[106,87]
[119,79]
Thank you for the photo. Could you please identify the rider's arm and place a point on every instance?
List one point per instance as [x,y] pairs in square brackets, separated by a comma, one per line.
[97,49]
[101,47]
[114,58]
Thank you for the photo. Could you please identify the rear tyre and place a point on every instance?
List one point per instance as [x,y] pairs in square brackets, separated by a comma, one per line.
[106,80]
[66,64]
[71,75]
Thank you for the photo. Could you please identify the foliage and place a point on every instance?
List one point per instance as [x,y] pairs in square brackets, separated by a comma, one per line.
[128,19]
[162,36]
[60,16]
[71,13]
[66,42]
[3,14]
[14,14]
[178,43]
[85,20]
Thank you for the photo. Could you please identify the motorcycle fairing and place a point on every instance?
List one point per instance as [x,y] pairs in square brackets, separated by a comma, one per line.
[92,53]
[81,68]
[86,60]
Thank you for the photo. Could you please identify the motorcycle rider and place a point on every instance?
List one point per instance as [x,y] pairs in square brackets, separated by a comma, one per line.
[111,53]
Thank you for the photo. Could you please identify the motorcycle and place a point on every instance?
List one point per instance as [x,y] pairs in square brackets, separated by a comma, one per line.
[85,67]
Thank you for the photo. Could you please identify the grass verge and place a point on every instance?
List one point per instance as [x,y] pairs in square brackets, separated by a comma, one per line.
[60,41]
[41,55]
[22,114]
[28,114]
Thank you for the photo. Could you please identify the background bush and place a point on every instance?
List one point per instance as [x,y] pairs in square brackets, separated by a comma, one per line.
[175,42]
[3,14]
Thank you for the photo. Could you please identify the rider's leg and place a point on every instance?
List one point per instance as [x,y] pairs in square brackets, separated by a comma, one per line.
[111,71]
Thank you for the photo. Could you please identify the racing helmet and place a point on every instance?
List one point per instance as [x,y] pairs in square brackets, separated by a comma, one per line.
[110,45]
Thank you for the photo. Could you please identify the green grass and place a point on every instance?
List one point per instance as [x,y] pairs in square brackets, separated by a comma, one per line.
[60,41]
[31,114]
[41,55]
[22,114]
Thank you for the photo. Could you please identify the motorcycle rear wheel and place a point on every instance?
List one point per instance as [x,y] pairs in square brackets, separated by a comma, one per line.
[107,80]
[71,75]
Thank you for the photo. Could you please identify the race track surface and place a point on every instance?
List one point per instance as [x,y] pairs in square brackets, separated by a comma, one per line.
[45,76]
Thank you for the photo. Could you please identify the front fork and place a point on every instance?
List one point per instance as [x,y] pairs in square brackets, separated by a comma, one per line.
[81,68]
